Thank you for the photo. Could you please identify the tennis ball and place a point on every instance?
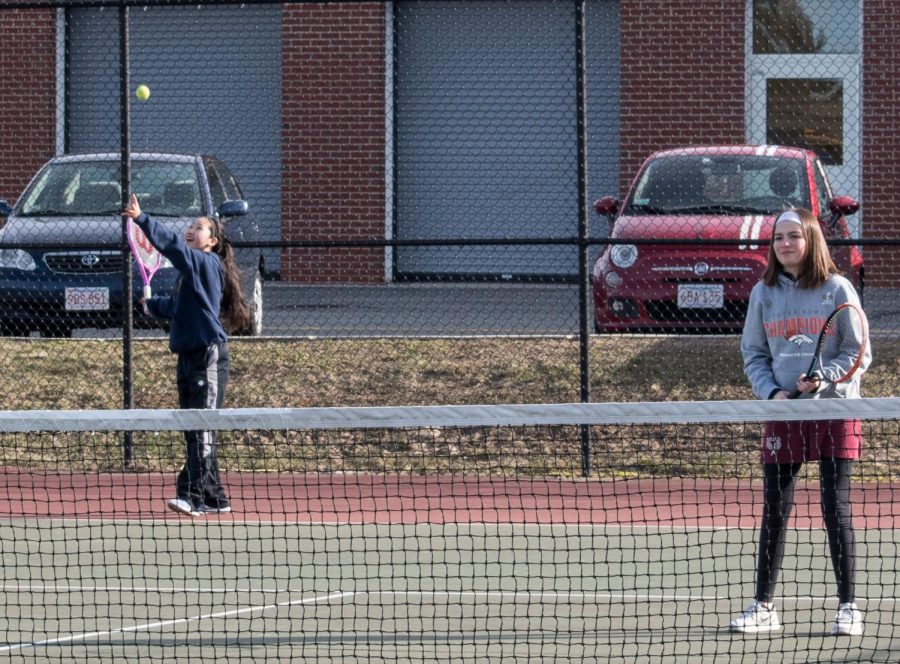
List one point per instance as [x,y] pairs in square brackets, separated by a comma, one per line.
[142,92]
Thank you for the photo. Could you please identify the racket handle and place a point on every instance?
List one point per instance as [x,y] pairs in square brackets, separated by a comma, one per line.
[148,292]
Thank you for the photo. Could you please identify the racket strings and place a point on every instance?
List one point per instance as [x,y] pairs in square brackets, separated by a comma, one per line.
[844,337]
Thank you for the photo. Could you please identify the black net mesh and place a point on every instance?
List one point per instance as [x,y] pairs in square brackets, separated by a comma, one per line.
[436,535]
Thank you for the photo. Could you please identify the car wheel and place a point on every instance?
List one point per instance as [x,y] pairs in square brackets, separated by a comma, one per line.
[253,296]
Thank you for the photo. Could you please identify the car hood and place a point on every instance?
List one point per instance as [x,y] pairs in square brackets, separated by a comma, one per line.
[71,230]
[693,227]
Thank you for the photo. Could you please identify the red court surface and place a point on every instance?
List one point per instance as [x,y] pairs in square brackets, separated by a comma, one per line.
[407,499]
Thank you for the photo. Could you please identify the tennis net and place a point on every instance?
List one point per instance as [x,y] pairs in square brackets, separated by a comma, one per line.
[555,532]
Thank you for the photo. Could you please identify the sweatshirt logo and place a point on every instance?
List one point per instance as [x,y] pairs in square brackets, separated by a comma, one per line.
[800,339]
[791,328]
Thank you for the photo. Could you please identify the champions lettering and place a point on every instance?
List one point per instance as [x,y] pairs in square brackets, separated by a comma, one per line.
[789,327]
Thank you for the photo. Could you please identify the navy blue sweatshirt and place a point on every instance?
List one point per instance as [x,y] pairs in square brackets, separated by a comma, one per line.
[194,307]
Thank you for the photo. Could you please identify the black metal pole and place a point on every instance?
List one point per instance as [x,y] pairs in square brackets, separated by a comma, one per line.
[583,268]
[127,315]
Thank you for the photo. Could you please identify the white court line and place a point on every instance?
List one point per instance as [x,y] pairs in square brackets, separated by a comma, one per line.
[656,527]
[65,587]
[486,594]
[74,638]
[553,594]
[619,597]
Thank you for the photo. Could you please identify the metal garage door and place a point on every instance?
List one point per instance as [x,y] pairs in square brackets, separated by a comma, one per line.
[485,131]
[215,77]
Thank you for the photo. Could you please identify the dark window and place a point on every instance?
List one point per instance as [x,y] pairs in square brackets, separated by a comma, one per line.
[216,190]
[807,113]
[805,26]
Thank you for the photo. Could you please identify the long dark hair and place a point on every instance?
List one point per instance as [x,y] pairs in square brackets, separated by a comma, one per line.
[234,313]
[817,264]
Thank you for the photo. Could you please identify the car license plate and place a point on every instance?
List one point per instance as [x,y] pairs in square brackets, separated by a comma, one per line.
[87,299]
[701,296]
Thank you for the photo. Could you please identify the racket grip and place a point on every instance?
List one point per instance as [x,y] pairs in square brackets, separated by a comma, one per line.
[148,292]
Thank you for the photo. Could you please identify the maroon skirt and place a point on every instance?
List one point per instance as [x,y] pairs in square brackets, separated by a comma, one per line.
[795,442]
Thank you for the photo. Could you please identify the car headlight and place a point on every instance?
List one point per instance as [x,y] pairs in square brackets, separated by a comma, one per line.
[623,255]
[16,259]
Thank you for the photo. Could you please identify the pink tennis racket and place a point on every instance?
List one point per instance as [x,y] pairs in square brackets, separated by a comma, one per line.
[147,256]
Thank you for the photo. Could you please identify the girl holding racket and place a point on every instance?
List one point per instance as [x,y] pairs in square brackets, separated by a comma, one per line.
[799,290]
[207,301]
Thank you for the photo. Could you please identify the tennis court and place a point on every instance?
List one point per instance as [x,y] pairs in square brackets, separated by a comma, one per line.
[427,592]
[452,565]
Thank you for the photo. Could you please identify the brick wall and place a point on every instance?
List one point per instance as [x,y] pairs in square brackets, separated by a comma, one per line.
[881,138]
[27,79]
[333,148]
[682,76]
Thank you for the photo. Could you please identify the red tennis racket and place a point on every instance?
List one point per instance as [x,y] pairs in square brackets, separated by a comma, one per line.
[840,346]
[145,254]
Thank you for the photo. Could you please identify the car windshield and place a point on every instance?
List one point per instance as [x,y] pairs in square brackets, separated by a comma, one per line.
[719,184]
[91,188]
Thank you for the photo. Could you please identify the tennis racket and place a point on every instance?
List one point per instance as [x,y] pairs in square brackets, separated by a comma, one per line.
[840,346]
[145,254]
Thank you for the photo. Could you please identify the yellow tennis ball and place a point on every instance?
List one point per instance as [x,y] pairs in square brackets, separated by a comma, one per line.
[142,92]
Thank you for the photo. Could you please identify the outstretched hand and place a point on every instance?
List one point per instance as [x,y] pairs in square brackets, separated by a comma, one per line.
[134,209]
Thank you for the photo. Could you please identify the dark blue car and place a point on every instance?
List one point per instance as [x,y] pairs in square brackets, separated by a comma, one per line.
[60,265]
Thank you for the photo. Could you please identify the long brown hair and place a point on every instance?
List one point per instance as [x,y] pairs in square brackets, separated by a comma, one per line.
[234,314]
[817,263]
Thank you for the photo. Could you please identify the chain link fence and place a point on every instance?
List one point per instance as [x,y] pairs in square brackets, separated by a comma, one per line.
[437,202]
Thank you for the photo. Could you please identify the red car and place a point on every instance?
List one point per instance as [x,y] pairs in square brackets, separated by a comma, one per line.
[716,192]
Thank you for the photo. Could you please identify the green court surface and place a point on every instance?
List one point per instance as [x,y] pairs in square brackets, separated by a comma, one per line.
[208,591]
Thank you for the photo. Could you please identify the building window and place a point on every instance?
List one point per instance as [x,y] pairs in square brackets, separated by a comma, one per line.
[805,26]
[807,113]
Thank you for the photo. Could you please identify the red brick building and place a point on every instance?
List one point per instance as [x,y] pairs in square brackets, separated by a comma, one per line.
[371,98]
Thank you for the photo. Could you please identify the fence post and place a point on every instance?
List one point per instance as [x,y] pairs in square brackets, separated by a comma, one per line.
[583,270]
[127,314]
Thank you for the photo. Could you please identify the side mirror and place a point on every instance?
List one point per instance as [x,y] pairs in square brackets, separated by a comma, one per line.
[608,206]
[234,209]
[843,205]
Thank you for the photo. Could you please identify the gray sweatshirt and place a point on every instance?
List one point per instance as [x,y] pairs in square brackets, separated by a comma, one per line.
[780,332]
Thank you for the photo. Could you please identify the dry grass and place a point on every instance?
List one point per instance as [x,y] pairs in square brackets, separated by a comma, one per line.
[59,374]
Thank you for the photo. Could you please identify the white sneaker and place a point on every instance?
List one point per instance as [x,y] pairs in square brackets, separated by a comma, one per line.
[756,618]
[181,505]
[848,622]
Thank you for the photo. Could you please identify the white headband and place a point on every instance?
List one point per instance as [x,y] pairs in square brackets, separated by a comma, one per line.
[789,215]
